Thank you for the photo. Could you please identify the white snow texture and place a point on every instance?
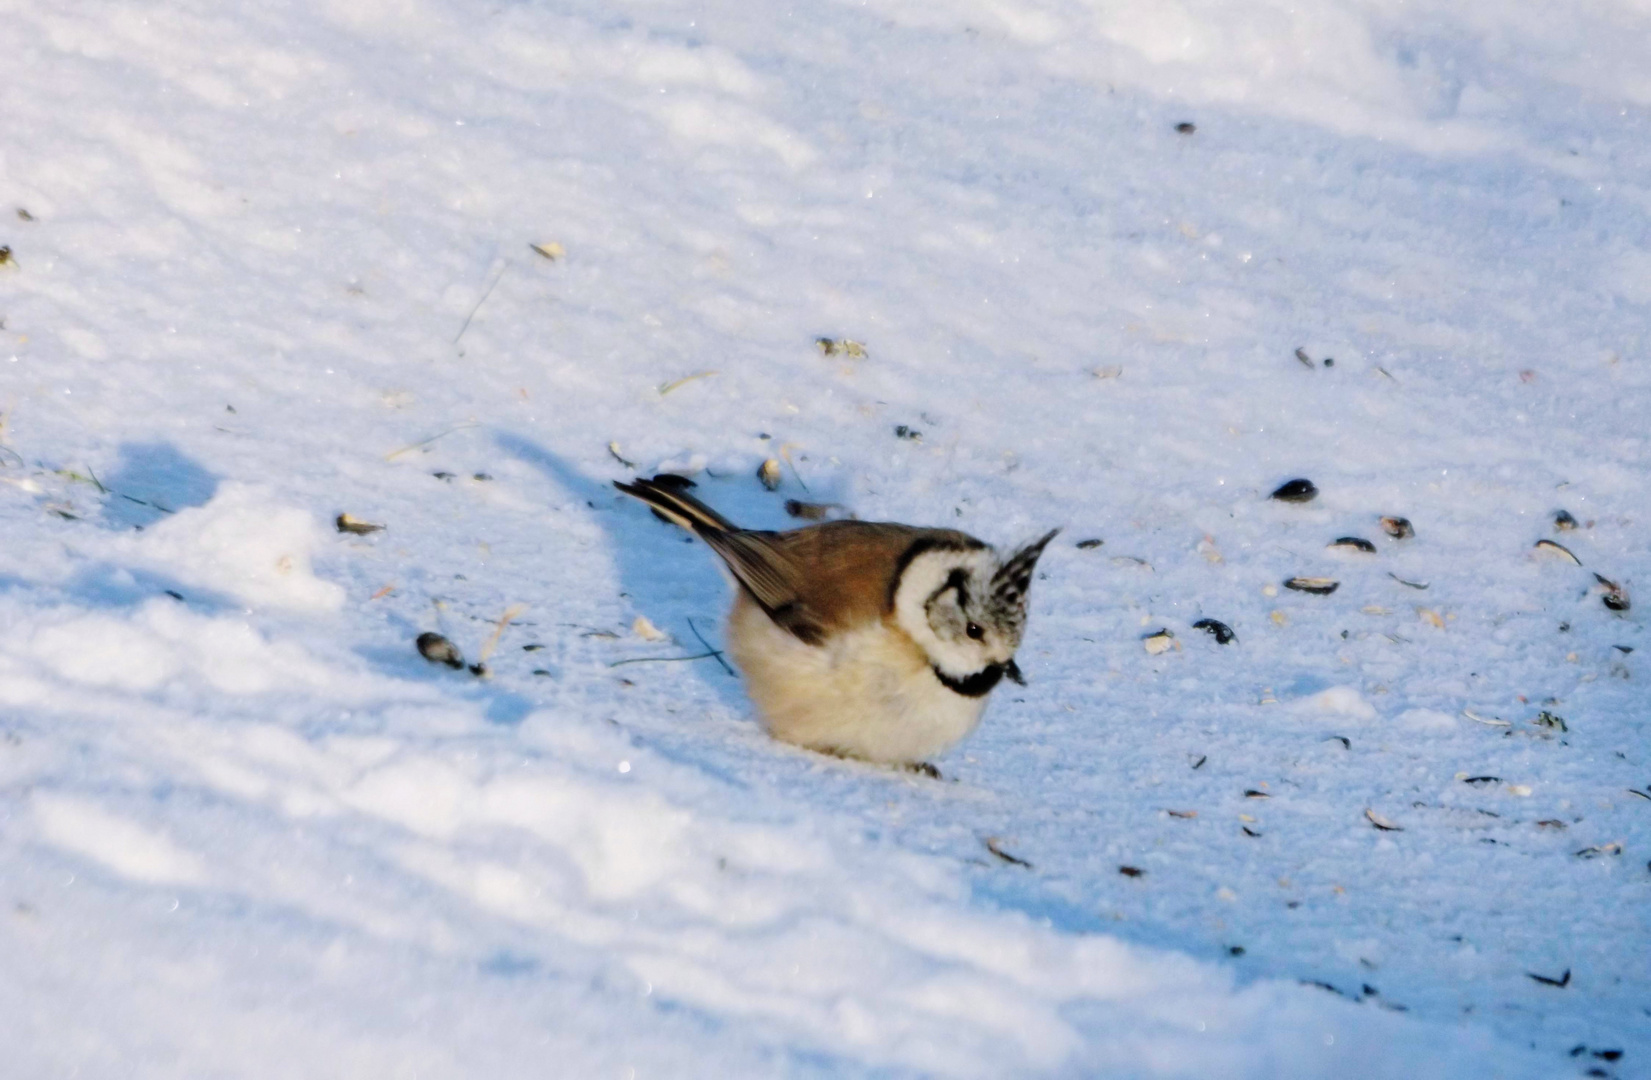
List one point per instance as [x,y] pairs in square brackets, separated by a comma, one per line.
[451,268]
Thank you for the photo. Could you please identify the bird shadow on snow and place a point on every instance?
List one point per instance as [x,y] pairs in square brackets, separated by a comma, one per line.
[670,580]
[150,481]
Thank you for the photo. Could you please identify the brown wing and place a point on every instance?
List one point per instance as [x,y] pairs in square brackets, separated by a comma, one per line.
[826,577]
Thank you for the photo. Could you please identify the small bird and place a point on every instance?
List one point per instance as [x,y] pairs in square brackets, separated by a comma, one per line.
[863,639]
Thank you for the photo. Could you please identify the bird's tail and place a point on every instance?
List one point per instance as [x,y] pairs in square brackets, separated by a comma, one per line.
[669,498]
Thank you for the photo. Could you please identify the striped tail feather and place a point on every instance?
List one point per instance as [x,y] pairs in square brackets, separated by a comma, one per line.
[667,495]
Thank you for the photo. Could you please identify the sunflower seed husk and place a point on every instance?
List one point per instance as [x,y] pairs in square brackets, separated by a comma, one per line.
[1299,490]
[1556,551]
[1353,543]
[1381,823]
[347,524]
[1614,596]
[769,473]
[1398,528]
[438,650]
[1160,641]
[1563,521]
[1318,586]
[1217,629]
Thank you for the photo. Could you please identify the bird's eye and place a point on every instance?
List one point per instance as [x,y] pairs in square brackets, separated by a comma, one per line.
[974,631]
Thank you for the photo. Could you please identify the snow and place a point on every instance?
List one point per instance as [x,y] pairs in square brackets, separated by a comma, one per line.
[276,266]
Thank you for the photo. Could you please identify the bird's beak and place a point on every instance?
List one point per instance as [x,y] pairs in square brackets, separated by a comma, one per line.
[1012,670]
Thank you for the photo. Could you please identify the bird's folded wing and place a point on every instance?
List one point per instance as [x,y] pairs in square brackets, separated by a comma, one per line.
[761,563]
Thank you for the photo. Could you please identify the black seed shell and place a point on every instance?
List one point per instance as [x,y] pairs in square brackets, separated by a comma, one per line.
[1299,490]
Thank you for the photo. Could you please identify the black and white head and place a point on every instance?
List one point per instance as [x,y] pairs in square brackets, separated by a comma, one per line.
[965,606]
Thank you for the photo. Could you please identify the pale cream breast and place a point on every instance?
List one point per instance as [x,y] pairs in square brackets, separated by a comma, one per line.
[868,692]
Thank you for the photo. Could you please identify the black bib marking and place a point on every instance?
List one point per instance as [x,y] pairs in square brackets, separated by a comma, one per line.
[977,685]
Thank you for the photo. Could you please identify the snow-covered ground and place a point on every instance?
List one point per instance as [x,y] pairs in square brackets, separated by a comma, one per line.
[270,263]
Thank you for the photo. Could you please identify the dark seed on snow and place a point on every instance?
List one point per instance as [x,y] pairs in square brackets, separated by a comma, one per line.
[347,524]
[1131,871]
[1560,551]
[1398,528]
[1615,597]
[1354,543]
[1088,545]
[1186,127]
[438,650]
[1563,521]
[1318,586]
[1217,629]
[1299,490]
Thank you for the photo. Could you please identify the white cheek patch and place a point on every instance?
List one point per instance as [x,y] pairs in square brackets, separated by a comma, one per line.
[924,575]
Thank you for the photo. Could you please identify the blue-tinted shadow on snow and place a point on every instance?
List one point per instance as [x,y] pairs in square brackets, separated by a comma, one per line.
[665,573]
[150,481]
[107,585]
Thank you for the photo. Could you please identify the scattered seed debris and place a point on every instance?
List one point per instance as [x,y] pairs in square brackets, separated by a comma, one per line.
[1479,780]
[1551,721]
[1318,586]
[908,433]
[769,473]
[1563,521]
[1217,629]
[174,594]
[551,251]
[1346,743]
[541,671]
[1159,641]
[1642,794]
[644,628]
[532,647]
[1090,545]
[5,256]
[1183,814]
[1561,982]
[1247,831]
[1306,361]
[1597,850]
[1615,597]
[24,215]
[1488,721]
[1131,560]
[1408,584]
[443,475]
[1398,528]
[1428,615]
[613,449]
[1131,871]
[438,650]
[1353,543]
[1608,1055]
[840,346]
[1300,490]
[1186,127]
[992,845]
[1380,822]
[1551,823]
[1199,764]
[1111,371]
[1235,950]
[808,511]
[1557,551]
[1252,793]
[676,384]
[482,477]
[348,524]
